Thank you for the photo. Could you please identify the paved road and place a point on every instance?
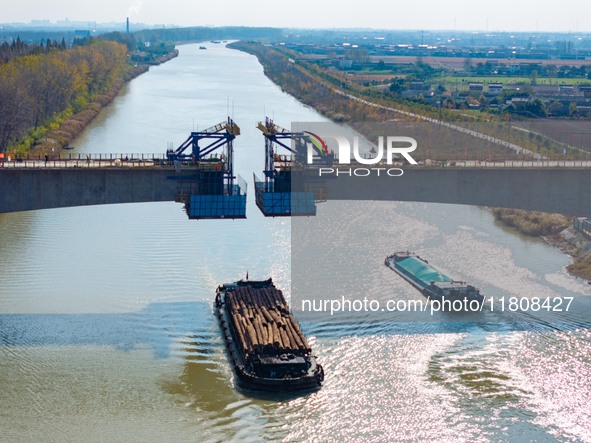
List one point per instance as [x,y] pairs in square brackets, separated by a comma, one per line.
[518,149]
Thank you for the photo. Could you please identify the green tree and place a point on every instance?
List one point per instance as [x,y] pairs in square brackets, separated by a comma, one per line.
[534,77]
[467,64]
[573,111]
[36,89]
[555,107]
[397,85]
[358,55]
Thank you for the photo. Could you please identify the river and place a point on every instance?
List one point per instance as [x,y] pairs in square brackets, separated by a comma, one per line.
[106,325]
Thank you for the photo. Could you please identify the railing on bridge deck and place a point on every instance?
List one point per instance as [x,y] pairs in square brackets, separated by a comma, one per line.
[131,160]
[557,161]
[138,160]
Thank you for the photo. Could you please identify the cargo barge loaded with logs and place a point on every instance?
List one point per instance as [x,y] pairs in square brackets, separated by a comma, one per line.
[432,283]
[266,346]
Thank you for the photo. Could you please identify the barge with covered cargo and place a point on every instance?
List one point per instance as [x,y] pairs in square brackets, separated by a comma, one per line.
[431,282]
[265,344]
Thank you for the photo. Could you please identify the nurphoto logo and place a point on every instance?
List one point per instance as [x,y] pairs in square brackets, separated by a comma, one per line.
[389,150]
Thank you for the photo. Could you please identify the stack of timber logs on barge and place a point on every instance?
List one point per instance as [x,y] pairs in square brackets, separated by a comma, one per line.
[265,343]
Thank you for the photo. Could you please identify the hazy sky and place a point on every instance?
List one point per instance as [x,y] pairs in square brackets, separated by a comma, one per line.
[508,15]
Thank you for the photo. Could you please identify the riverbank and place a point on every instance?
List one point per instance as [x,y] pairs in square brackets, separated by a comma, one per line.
[556,230]
[66,131]
[336,96]
[310,88]
[578,246]
[321,93]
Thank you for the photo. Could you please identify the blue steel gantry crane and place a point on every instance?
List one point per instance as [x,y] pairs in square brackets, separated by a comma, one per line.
[286,190]
[206,181]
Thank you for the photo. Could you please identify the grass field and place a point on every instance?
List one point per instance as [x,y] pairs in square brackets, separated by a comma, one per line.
[371,71]
[575,132]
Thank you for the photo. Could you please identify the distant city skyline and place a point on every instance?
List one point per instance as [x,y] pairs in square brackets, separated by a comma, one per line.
[501,15]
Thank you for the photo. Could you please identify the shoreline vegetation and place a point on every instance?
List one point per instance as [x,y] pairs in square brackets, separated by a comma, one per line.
[314,88]
[557,230]
[49,93]
[71,127]
[532,223]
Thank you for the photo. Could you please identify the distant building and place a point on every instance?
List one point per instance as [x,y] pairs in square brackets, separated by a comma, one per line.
[564,47]
[585,90]
[345,64]
[495,88]
[419,86]
[524,68]
[546,90]
[81,34]
[476,86]
[567,89]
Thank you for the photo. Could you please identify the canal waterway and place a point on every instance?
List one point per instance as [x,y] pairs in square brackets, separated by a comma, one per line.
[106,324]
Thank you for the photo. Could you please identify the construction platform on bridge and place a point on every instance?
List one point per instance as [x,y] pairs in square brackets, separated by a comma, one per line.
[200,174]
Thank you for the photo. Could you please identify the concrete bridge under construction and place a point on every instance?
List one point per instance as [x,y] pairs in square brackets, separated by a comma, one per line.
[561,187]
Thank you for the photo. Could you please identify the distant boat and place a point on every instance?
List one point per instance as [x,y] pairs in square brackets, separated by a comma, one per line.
[215,41]
[202,47]
[68,147]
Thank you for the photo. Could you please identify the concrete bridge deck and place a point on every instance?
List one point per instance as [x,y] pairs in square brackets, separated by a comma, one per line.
[561,186]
